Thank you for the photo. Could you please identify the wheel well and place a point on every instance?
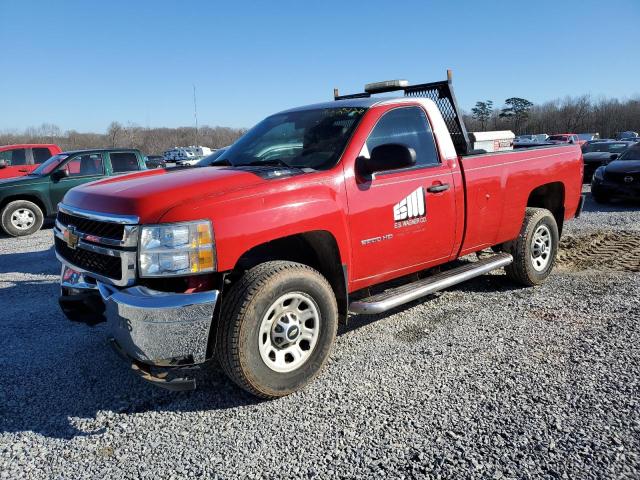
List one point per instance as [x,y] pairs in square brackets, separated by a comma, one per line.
[317,249]
[551,197]
[29,198]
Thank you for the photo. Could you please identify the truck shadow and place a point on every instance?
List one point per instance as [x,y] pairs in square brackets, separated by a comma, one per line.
[61,380]
[484,283]
[615,205]
[35,263]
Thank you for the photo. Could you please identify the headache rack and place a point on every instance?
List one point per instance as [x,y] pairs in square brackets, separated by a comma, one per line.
[440,92]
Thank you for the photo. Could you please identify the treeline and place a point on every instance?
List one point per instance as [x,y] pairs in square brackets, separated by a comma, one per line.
[150,141]
[569,115]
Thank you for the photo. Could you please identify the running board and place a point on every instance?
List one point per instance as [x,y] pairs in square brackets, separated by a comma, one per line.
[407,293]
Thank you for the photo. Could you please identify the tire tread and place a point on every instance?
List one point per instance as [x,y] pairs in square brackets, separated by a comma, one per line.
[518,271]
[234,307]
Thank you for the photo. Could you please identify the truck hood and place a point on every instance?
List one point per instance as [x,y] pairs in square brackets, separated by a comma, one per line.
[24,180]
[150,194]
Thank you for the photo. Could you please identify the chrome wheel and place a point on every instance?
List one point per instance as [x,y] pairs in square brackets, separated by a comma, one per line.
[289,332]
[23,219]
[541,248]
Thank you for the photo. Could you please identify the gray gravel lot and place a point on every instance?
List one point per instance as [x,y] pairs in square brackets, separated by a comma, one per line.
[484,380]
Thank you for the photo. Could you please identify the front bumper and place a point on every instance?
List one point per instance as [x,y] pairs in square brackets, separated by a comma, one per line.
[630,191]
[160,328]
[150,328]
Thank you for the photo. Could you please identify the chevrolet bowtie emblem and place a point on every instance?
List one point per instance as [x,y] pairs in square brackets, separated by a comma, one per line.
[628,179]
[71,237]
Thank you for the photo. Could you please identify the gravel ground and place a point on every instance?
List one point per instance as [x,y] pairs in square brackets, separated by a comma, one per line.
[484,380]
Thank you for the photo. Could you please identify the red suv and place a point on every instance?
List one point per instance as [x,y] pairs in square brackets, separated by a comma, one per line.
[19,160]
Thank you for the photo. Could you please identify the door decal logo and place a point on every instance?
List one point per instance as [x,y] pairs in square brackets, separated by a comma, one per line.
[410,210]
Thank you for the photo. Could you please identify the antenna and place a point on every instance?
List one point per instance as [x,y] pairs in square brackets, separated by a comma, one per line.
[195,112]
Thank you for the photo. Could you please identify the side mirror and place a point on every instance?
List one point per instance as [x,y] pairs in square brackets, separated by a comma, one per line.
[3,164]
[59,174]
[390,156]
[613,157]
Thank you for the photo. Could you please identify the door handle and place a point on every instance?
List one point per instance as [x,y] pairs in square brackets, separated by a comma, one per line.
[442,187]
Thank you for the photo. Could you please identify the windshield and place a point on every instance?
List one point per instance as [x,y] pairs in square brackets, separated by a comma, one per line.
[605,147]
[633,153]
[303,139]
[209,159]
[50,165]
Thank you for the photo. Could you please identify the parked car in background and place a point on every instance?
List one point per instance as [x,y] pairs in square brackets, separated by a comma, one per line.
[531,141]
[587,137]
[27,200]
[19,160]
[192,154]
[525,139]
[155,161]
[565,138]
[620,178]
[597,153]
[210,159]
[627,134]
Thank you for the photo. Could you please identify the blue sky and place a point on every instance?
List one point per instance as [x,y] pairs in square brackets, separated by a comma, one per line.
[81,64]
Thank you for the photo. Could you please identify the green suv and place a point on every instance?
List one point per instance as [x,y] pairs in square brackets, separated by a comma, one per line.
[26,201]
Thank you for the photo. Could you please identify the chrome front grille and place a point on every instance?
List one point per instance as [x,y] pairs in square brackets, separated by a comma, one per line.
[100,245]
[112,231]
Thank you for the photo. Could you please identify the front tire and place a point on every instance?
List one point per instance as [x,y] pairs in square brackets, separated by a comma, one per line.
[21,217]
[534,251]
[277,326]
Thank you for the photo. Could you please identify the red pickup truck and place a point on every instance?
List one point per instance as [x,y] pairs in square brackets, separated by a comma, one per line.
[307,217]
[22,159]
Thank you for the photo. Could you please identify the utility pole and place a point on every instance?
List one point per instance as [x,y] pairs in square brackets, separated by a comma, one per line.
[195,112]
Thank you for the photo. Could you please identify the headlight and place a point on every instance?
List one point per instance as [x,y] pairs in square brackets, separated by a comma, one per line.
[599,173]
[176,249]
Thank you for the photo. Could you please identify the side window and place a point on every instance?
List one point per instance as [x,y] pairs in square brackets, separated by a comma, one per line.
[40,155]
[14,157]
[84,165]
[407,126]
[124,162]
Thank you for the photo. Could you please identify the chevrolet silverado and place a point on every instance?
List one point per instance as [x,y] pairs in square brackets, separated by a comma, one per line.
[360,205]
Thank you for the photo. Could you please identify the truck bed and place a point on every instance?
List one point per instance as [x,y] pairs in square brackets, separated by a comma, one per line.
[499,186]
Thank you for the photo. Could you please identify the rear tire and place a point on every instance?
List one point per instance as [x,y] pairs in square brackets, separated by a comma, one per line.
[534,251]
[21,217]
[277,326]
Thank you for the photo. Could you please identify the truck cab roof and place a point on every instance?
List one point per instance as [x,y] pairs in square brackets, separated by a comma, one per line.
[348,103]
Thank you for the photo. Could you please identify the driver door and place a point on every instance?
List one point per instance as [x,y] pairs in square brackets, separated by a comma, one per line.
[81,169]
[402,220]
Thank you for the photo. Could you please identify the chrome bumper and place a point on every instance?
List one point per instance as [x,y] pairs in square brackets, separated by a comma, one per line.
[159,328]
